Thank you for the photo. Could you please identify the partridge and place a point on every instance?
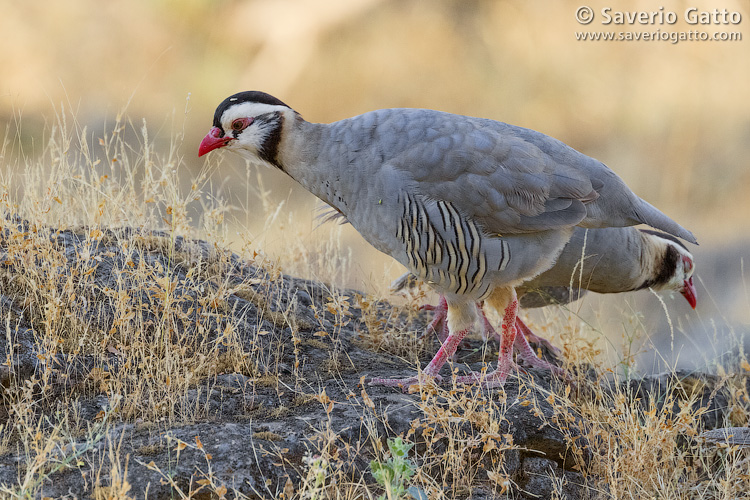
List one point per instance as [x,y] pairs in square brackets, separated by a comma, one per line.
[608,260]
[473,206]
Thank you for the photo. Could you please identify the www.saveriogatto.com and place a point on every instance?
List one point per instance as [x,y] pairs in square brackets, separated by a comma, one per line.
[693,24]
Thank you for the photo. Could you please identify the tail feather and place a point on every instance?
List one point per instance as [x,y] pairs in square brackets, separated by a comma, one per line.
[648,214]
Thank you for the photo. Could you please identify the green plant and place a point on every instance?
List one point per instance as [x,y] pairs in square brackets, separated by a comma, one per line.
[394,474]
[314,482]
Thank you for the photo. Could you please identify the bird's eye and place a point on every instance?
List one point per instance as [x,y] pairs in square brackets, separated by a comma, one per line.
[687,265]
[239,124]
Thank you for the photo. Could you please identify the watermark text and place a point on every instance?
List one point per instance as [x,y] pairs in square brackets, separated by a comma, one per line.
[691,15]
[698,20]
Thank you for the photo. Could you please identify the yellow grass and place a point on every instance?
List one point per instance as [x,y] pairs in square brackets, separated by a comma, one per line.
[94,180]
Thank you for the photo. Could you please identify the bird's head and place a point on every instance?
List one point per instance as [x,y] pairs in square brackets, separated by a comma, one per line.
[682,279]
[250,124]
[674,267]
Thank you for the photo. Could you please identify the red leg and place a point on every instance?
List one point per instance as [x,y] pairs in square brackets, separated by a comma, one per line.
[526,353]
[439,323]
[446,351]
[505,359]
[532,337]
[489,332]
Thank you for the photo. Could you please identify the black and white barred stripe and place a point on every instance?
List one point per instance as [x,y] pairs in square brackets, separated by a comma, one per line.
[449,252]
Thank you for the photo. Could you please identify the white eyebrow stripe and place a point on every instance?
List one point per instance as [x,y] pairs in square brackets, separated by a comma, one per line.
[248,109]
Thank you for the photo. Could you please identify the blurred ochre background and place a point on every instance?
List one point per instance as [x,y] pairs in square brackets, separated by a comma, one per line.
[672,119]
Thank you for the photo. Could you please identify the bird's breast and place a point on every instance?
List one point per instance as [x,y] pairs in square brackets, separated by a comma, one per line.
[441,246]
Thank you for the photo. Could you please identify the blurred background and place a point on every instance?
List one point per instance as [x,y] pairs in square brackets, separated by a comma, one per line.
[672,119]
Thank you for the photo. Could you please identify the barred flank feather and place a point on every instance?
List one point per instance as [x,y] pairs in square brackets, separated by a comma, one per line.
[447,250]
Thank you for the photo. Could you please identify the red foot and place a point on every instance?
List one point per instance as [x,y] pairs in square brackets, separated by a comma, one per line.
[407,384]
[526,353]
[505,359]
[511,327]
[447,350]
[488,380]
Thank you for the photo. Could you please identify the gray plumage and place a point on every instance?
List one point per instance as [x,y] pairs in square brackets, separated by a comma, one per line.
[608,260]
[612,260]
[471,205]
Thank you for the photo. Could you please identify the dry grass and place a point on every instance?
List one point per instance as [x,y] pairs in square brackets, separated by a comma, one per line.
[680,145]
[653,452]
[98,180]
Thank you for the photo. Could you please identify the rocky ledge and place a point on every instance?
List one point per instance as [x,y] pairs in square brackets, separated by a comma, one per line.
[281,409]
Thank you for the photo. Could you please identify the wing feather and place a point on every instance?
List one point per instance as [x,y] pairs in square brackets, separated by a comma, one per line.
[501,180]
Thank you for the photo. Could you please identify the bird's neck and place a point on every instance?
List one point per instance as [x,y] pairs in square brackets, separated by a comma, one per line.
[305,155]
[658,262]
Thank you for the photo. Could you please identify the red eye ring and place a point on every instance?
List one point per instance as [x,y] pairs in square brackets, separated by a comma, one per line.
[241,124]
[687,264]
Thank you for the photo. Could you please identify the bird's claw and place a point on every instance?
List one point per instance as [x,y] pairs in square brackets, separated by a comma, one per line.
[409,384]
[490,380]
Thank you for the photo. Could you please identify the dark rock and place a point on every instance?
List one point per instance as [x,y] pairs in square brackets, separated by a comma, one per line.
[255,432]
[544,479]
[732,436]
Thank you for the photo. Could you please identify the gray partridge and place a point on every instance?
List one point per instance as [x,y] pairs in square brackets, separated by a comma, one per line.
[473,206]
[607,260]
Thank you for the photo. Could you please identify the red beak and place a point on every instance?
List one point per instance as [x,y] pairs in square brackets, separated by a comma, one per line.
[688,291]
[213,140]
